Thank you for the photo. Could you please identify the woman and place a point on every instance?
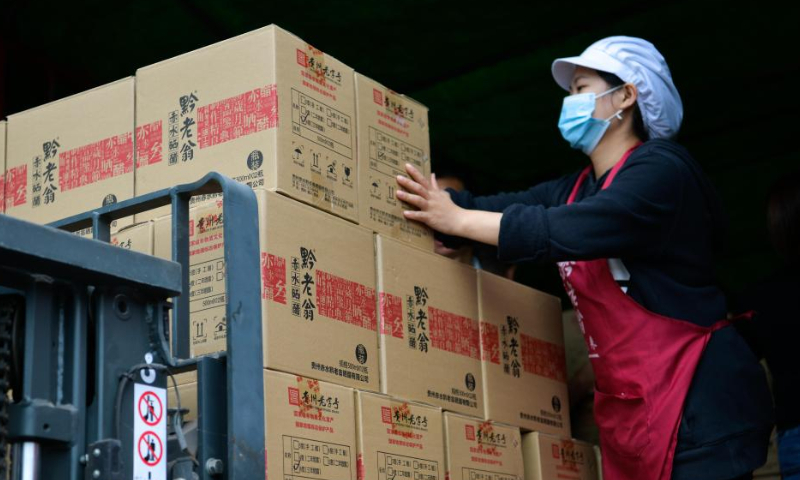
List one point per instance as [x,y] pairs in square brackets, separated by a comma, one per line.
[678,394]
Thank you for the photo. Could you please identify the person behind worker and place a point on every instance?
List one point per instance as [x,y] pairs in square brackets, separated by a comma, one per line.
[678,393]
[775,328]
[480,256]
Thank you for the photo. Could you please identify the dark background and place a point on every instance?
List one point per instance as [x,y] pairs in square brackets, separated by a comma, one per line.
[484,71]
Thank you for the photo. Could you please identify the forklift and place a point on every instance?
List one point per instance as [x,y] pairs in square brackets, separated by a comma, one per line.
[87,351]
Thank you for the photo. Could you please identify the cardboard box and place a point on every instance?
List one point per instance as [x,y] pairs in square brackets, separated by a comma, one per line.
[398,439]
[318,289]
[481,450]
[187,387]
[429,341]
[392,130]
[599,457]
[310,425]
[522,351]
[138,238]
[264,108]
[310,428]
[72,155]
[2,166]
[548,457]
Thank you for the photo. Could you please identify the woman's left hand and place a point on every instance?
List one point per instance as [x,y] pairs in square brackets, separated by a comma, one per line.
[436,208]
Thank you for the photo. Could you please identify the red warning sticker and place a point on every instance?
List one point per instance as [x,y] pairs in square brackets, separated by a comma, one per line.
[149,429]
[150,408]
[150,448]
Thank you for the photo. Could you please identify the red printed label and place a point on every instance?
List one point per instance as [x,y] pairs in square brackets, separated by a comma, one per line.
[470,431]
[377,96]
[16,186]
[273,278]
[346,301]
[95,162]
[386,415]
[543,358]
[490,343]
[294,396]
[454,333]
[237,116]
[2,193]
[361,471]
[148,144]
[391,315]
[302,58]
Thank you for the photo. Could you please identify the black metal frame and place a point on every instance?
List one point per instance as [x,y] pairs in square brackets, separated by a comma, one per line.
[64,277]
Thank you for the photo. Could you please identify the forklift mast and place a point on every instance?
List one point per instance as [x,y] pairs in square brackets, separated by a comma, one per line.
[86,352]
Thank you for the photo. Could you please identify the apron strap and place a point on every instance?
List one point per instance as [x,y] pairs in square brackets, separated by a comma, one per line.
[618,166]
[578,184]
[730,321]
[609,179]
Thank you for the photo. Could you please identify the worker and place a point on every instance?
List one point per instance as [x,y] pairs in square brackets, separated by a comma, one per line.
[774,331]
[678,393]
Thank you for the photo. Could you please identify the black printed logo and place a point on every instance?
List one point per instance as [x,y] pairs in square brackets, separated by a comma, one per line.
[109,199]
[556,404]
[361,354]
[470,381]
[255,159]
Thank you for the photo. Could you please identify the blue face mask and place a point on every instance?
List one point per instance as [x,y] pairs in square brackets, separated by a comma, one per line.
[577,125]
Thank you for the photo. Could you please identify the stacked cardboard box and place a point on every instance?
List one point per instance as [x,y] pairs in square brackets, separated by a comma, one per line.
[392,131]
[318,289]
[310,428]
[72,155]
[482,450]
[522,350]
[398,439]
[137,238]
[341,308]
[264,108]
[429,341]
[548,457]
[186,386]
[599,458]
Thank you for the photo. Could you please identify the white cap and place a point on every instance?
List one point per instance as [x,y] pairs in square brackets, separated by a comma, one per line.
[635,61]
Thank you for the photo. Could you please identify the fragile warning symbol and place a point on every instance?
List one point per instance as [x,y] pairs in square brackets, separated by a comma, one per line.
[150,408]
[150,449]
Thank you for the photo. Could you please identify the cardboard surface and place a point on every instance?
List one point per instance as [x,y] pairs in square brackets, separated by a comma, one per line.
[398,439]
[310,432]
[264,108]
[482,450]
[392,130]
[548,457]
[522,351]
[429,341]
[71,155]
[318,289]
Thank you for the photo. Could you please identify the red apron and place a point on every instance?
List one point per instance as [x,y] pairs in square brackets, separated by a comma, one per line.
[643,364]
